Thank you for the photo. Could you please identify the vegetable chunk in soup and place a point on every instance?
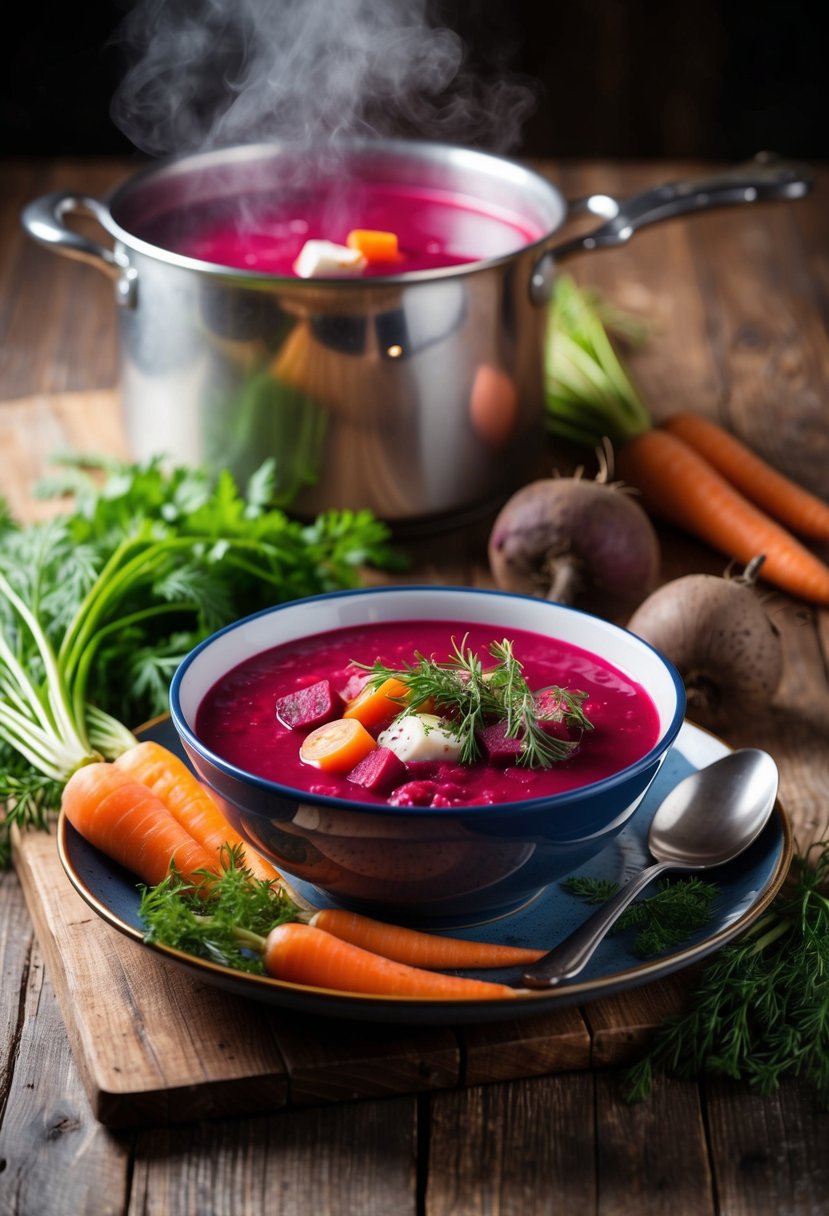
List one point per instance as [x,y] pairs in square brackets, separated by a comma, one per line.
[428,713]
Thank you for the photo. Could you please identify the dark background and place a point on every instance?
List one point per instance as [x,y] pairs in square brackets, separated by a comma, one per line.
[616,78]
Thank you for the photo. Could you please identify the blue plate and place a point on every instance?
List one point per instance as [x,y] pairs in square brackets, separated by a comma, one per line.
[745,886]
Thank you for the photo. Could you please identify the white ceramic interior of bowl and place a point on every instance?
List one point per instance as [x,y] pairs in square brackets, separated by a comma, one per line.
[500,610]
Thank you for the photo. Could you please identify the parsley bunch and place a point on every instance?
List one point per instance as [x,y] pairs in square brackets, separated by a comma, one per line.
[99,605]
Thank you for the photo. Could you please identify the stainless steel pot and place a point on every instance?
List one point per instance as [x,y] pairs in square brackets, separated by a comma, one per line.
[367,392]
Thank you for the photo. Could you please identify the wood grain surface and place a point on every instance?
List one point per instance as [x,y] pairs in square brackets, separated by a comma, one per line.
[738,304]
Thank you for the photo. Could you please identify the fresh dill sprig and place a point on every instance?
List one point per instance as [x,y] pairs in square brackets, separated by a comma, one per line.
[470,696]
[679,909]
[225,918]
[761,1010]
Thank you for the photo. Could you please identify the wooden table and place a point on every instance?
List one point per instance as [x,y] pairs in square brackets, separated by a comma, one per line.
[740,301]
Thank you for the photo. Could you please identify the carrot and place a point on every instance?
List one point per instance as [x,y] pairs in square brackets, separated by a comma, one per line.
[377,706]
[685,490]
[791,504]
[374,245]
[304,954]
[131,825]
[188,801]
[418,949]
[336,746]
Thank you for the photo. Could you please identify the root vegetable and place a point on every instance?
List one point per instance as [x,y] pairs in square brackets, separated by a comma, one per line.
[579,542]
[718,635]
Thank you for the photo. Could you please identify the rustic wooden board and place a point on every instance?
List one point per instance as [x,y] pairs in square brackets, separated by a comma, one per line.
[155,1045]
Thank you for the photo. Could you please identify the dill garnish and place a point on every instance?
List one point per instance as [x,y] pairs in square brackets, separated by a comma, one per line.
[761,1010]
[679,909]
[470,696]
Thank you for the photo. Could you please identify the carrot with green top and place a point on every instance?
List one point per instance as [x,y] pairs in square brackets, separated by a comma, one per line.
[682,488]
[791,504]
[416,948]
[592,400]
[189,802]
[131,825]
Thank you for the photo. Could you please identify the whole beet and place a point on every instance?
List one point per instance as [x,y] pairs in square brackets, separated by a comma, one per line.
[719,637]
[585,543]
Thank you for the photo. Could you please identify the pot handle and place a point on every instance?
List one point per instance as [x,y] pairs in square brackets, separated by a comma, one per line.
[764,178]
[43,219]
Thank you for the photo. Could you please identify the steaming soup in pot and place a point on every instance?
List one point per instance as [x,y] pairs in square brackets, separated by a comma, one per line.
[434,229]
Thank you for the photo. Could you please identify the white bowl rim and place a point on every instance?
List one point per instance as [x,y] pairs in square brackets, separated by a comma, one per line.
[654,755]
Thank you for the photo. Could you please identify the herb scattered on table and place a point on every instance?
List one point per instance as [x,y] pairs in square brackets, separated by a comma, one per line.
[471,695]
[761,1009]
[99,605]
[680,908]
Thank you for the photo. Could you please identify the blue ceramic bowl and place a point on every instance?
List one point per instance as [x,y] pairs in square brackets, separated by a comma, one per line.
[421,864]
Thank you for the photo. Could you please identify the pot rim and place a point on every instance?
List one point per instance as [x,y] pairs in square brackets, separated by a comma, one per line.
[172,167]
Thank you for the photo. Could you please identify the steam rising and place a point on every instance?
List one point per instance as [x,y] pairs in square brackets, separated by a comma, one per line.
[206,73]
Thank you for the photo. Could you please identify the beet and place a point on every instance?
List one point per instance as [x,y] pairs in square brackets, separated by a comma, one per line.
[499,748]
[380,771]
[572,541]
[308,707]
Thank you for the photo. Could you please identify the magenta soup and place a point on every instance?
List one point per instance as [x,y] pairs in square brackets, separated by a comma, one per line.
[434,229]
[238,722]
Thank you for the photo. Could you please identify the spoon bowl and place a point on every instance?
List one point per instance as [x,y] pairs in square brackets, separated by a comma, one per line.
[706,820]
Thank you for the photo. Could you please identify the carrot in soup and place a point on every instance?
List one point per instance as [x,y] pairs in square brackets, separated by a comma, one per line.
[374,244]
[337,746]
[131,825]
[418,949]
[685,490]
[791,504]
[304,954]
[378,706]
[189,802]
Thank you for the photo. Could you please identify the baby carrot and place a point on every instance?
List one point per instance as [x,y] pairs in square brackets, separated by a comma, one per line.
[685,490]
[131,825]
[418,949]
[377,706]
[188,801]
[785,500]
[337,746]
[303,954]
[374,244]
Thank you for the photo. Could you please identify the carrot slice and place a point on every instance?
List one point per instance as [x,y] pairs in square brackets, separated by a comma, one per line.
[337,746]
[377,706]
[416,948]
[188,801]
[131,825]
[374,244]
[303,954]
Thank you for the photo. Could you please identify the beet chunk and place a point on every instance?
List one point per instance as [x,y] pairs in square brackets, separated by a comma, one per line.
[498,747]
[311,706]
[379,771]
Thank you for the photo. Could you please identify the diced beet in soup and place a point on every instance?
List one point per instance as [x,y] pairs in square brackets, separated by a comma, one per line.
[238,719]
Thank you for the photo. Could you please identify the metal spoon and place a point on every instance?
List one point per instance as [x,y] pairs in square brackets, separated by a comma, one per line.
[706,820]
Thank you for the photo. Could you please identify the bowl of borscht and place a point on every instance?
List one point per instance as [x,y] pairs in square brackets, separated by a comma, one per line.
[436,755]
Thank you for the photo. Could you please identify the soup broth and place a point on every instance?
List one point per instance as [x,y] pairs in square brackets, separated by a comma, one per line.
[238,722]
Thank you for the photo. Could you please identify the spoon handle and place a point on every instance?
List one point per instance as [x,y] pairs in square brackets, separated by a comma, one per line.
[569,957]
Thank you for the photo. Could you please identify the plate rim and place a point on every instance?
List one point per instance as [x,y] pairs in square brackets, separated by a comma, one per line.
[365,1005]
